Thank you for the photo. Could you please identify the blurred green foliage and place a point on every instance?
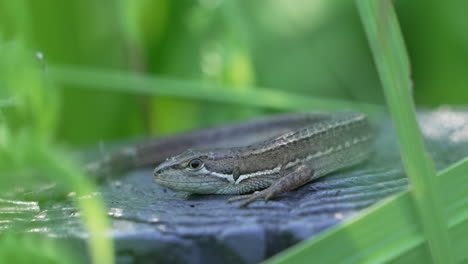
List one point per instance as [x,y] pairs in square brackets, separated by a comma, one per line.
[315,48]
[309,47]
[34,250]
[31,158]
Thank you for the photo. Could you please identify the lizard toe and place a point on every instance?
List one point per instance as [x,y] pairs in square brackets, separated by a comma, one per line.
[251,198]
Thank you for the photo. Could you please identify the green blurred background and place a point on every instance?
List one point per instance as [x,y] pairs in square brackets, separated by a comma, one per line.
[312,47]
[309,50]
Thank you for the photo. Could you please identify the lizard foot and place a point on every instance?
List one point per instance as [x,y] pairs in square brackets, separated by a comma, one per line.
[249,198]
[297,177]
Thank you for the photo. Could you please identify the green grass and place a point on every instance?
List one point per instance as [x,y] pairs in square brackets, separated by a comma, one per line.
[392,62]
[389,232]
[365,239]
[35,249]
[30,156]
[149,85]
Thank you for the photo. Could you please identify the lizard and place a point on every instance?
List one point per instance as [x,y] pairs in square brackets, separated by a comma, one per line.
[258,159]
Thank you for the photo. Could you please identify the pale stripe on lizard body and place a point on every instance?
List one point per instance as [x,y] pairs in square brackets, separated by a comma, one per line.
[279,153]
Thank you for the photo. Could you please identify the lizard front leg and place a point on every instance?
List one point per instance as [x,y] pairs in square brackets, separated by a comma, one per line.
[291,180]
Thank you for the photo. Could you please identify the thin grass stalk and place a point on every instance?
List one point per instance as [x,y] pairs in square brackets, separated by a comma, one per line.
[149,85]
[385,38]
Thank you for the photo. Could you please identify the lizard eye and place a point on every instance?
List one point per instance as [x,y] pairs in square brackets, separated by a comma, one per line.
[195,164]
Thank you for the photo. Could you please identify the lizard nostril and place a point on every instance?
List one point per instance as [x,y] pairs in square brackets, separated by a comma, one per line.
[157,172]
[161,170]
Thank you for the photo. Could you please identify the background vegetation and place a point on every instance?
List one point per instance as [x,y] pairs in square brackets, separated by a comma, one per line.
[112,70]
[309,47]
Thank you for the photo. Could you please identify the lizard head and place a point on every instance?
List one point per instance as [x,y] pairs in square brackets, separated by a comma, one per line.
[197,171]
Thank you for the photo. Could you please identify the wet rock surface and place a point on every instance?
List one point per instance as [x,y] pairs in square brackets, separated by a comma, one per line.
[152,224]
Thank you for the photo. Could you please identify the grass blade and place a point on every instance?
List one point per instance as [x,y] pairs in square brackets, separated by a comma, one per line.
[139,84]
[389,52]
[365,240]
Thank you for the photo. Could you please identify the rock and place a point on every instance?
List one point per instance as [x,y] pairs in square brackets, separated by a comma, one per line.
[153,224]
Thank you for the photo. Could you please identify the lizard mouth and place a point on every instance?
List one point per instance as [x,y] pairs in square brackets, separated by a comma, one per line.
[198,187]
[162,180]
